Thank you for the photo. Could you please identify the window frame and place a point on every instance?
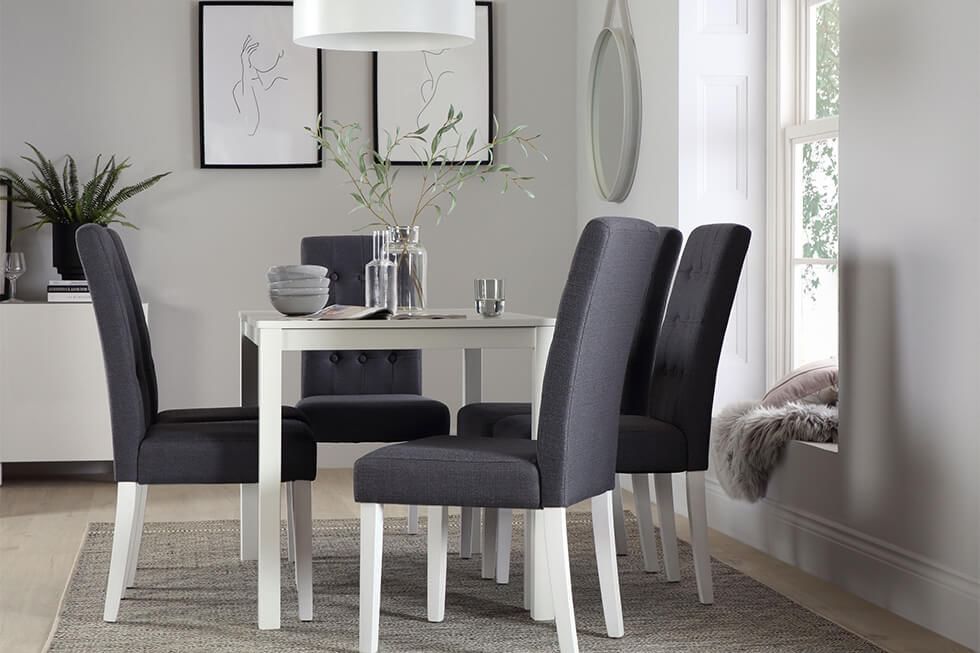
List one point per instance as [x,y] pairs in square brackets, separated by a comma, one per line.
[791,57]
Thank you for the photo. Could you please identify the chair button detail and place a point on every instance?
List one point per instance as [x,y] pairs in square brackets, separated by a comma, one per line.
[334,276]
[334,358]
[392,358]
[360,277]
[362,359]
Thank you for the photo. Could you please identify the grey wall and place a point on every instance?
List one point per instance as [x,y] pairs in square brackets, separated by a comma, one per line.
[893,516]
[655,192]
[121,77]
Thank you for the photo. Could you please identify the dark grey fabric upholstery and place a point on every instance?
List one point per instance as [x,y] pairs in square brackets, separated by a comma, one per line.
[583,384]
[644,439]
[353,372]
[147,369]
[374,418]
[639,370]
[451,471]
[513,427]
[576,450]
[683,387]
[212,452]
[641,439]
[221,452]
[131,414]
[224,414]
[480,419]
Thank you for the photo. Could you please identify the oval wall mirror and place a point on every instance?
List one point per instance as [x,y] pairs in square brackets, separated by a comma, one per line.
[615,113]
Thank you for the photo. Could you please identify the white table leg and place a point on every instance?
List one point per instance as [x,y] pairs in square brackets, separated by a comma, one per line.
[248,368]
[270,476]
[542,608]
[469,534]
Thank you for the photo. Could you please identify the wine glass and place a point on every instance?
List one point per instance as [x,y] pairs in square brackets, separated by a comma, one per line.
[14,266]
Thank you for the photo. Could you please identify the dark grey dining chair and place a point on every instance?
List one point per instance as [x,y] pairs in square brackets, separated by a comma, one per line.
[363,396]
[153,448]
[481,419]
[573,459]
[673,436]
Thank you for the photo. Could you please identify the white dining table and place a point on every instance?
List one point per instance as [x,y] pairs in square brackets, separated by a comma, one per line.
[265,335]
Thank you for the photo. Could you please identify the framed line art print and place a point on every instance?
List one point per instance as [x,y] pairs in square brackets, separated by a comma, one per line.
[258,89]
[413,89]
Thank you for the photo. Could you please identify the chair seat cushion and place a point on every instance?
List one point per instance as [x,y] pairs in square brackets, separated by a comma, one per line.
[645,445]
[374,418]
[515,427]
[650,446]
[451,471]
[479,419]
[220,452]
[225,414]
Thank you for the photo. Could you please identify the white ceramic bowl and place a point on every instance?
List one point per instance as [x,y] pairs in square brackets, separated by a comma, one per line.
[293,272]
[291,284]
[298,292]
[298,304]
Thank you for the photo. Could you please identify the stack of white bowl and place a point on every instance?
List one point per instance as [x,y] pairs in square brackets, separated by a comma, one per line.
[298,289]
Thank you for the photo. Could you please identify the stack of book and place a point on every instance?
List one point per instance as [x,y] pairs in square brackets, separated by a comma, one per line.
[68,291]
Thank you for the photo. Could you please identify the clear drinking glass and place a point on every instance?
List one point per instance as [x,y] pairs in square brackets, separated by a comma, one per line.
[14,265]
[380,280]
[410,260]
[489,296]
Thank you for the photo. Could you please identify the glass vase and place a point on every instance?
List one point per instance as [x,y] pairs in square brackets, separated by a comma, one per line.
[380,279]
[410,259]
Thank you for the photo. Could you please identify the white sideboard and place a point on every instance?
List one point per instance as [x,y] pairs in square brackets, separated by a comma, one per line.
[54,405]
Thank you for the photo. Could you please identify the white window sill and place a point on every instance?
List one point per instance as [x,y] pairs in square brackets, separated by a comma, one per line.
[831,447]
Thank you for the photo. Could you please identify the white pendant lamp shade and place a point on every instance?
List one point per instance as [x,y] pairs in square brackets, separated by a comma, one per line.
[384,25]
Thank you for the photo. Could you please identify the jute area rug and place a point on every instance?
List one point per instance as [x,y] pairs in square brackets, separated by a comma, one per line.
[193,594]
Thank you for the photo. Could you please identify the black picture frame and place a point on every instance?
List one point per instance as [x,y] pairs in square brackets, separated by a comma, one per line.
[317,160]
[488,6]
[6,228]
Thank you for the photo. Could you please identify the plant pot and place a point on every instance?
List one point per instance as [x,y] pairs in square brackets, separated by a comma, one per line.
[64,253]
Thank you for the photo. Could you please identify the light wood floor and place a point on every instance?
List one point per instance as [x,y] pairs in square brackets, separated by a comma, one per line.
[42,523]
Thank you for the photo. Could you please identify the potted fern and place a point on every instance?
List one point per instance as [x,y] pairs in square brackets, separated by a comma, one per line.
[61,201]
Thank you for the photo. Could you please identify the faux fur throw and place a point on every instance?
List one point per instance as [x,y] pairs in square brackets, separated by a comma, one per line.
[748,440]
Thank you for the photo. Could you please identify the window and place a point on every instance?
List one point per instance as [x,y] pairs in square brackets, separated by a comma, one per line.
[804,145]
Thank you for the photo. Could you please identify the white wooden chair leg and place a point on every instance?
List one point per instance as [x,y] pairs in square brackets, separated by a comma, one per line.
[413,520]
[372,530]
[528,559]
[301,514]
[488,561]
[505,528]
[556,554]
[603,531]
[127,496]
[290,525]
[137,537]
[249,520]
[644,516]
[438,550]
[697,514]
[664,487]
[619,520]
[466,517]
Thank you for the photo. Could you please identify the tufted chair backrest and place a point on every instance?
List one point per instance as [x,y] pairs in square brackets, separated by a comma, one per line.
[353,372]
[597,322]
[683,388]
[128,364]
[639,371]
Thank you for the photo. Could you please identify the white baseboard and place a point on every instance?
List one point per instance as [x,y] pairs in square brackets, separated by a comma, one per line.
[900,581]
